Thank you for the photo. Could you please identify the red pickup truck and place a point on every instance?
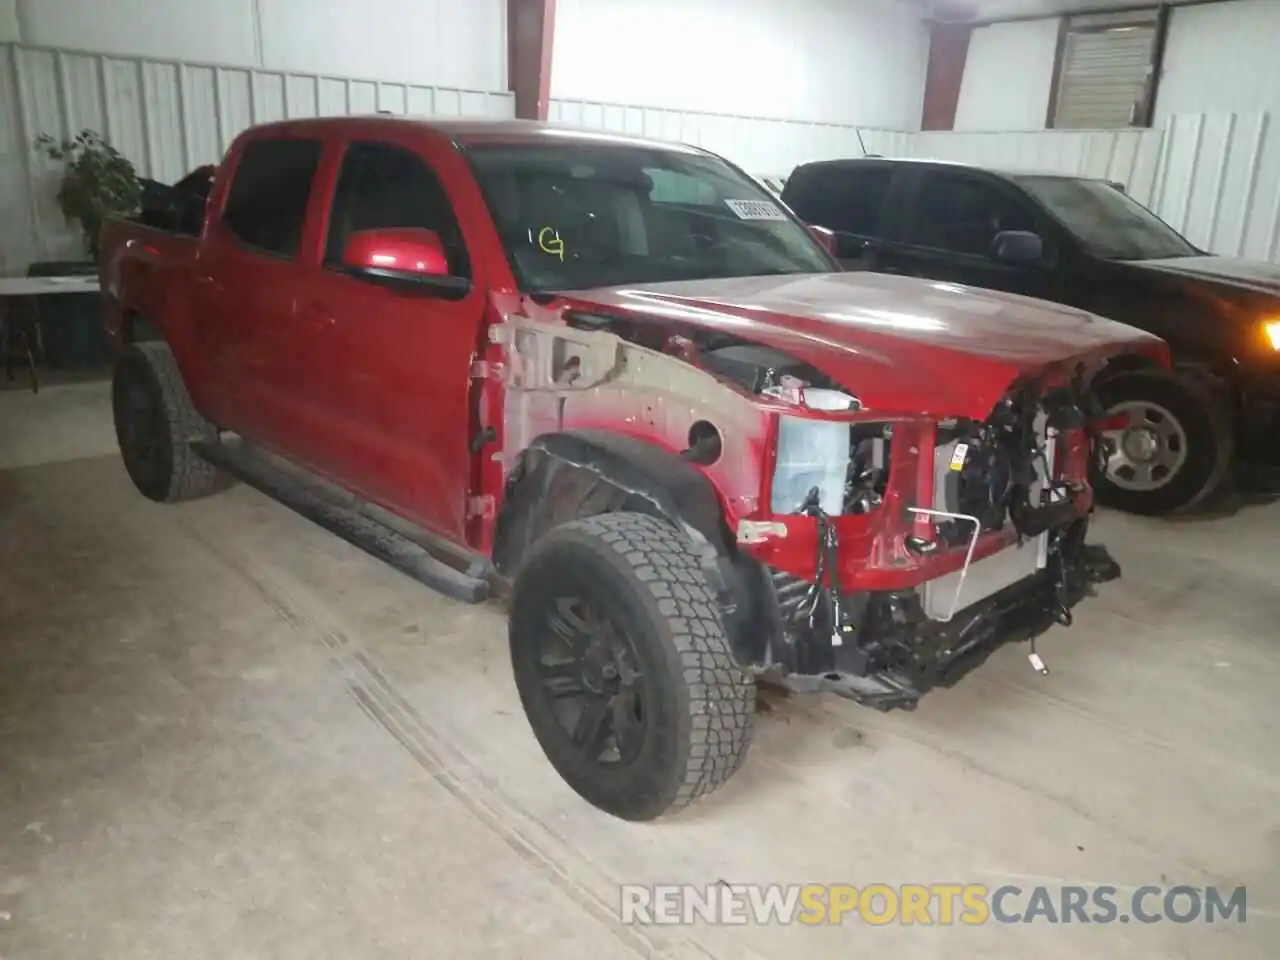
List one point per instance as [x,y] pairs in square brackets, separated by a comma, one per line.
[619,379]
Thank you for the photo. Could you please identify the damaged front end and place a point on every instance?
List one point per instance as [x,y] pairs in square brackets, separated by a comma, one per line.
[951,539]
[877,554]
[890,651]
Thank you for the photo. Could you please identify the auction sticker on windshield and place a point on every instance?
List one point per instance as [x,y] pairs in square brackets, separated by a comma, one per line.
[756,210]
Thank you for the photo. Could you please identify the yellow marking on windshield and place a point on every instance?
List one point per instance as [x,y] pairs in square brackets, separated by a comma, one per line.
[549,242]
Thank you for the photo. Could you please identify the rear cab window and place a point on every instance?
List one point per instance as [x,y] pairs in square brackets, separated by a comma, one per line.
[848,198]
[266,207]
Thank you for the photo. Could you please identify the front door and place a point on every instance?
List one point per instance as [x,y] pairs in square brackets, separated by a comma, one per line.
[397,398]
[952,222]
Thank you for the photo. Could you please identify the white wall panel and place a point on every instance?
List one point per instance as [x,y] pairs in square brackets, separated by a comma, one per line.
[760,145]
[457,43]
[220,31]
[1220,182]
[1221,58]
[1007,76]
[167,117]
[831,61]
[9,21]
[1126,156]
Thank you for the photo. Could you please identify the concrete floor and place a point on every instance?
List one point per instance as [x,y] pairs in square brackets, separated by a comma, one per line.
[224,733]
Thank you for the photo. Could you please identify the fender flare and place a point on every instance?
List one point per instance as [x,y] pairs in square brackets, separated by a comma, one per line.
[580,473]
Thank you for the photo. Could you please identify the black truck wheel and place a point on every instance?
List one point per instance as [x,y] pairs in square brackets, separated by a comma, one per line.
[623,666]
[156,424]
[1170,443]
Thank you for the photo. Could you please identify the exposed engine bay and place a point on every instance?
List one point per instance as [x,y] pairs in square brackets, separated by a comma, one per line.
[990,477]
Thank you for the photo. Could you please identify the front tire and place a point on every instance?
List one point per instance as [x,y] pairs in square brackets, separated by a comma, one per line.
[623,666]
[156,423]
[1171,443]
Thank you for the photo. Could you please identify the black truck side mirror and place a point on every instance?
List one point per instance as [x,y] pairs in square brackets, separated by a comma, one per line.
[1017,247]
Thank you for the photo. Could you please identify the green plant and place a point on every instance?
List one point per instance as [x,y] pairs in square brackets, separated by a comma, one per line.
[97,182]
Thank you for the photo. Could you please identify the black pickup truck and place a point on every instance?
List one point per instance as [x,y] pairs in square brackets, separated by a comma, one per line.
[1173,437]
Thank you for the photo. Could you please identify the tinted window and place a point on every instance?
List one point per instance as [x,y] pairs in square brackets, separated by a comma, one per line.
[1109,223]
[845,198]
[575,216]
[963,214]
[267,205]
[381,186]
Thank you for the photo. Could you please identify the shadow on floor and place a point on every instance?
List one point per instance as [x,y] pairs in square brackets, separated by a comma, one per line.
[1254,485]
[49,377]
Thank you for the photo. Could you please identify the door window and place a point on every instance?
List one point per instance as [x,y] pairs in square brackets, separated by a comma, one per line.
[963,214]
[267,205]
[383,186]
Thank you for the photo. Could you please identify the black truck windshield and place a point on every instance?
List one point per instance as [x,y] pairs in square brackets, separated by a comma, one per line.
[574,216]
[1109,223]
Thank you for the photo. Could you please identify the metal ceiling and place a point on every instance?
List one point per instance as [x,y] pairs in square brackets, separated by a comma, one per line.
[1002,9]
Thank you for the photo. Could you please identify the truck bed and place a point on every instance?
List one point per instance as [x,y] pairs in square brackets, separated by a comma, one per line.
[146,261]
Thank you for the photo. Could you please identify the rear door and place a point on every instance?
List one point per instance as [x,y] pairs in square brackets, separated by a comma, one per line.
[246,277]
[397,401]
[951,221]
[852,199]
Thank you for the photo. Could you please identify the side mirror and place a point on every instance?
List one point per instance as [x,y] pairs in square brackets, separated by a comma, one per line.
[410,255]
[1017,247]
[828,238]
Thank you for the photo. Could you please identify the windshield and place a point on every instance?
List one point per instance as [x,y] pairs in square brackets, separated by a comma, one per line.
[575,216]
[1107,221]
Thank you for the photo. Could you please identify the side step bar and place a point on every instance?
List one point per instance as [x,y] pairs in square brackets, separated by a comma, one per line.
[350,524]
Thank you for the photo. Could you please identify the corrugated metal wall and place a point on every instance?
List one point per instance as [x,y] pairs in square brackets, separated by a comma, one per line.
[1215,177]
[1220,182]
[1127,156]
[167,116]
[765,147]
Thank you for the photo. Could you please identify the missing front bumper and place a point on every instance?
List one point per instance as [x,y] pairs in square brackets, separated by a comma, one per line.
[900,653]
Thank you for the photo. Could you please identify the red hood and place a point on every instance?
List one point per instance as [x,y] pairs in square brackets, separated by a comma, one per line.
[899,344]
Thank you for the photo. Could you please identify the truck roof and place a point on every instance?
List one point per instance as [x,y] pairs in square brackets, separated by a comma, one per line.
[1009,173]
[465,131]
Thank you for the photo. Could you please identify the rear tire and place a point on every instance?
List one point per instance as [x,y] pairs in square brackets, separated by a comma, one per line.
[156,423]
[1176,450]
[623,666]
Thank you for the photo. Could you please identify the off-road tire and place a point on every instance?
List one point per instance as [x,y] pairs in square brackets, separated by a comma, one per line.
[155,435]
[1207,424]
[643,573]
